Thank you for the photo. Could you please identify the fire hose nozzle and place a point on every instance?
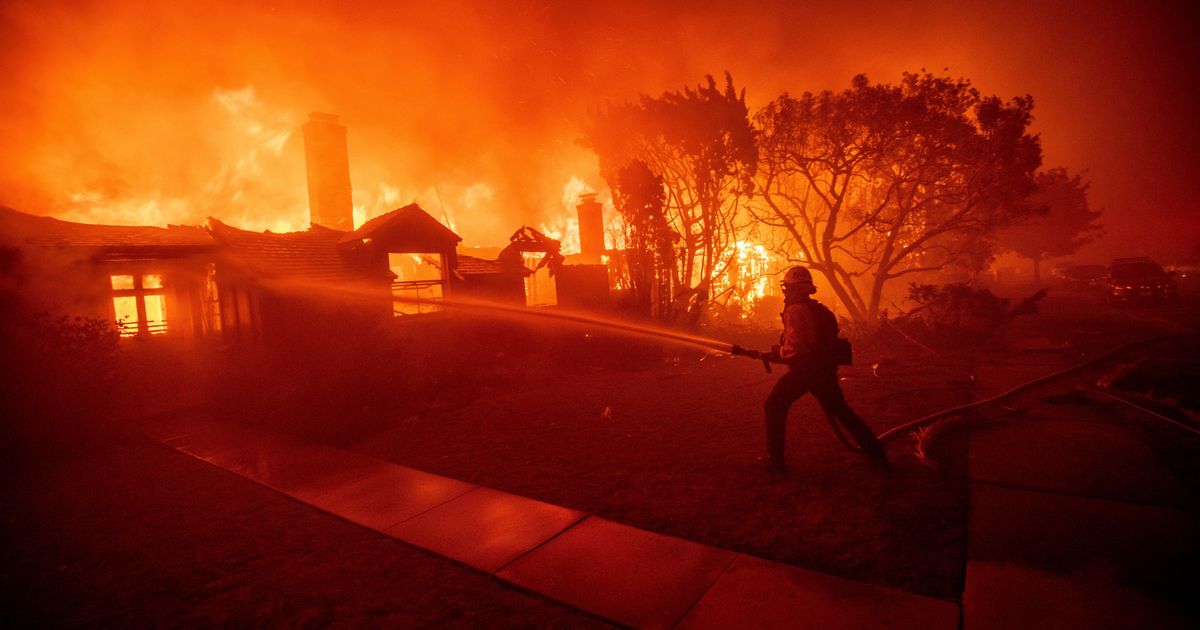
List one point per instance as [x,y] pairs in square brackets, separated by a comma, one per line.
[765,357]
[739,351]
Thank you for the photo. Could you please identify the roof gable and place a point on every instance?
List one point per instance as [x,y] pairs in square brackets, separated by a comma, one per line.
[408,228]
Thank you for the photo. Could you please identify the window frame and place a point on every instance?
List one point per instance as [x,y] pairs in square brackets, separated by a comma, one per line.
[419,286]
[139,292]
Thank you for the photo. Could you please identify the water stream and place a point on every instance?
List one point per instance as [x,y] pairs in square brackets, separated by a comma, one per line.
[575,318]
[513,311]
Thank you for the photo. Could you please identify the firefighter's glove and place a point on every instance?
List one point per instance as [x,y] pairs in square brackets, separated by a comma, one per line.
[768,358]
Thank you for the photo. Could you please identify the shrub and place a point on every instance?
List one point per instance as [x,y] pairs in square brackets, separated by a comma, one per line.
[63,367]
[955,315]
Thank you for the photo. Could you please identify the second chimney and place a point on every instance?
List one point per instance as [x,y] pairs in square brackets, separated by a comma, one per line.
[328,167]
[591,229]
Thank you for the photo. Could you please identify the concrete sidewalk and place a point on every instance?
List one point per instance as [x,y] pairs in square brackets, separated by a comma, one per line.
[1073,522]
[629,576]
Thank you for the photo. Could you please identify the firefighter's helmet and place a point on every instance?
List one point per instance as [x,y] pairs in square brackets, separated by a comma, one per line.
[799,278]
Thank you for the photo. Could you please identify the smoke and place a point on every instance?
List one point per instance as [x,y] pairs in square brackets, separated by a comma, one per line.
[144,112]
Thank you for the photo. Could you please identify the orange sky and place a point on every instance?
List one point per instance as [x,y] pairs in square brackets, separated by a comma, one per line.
[129,111]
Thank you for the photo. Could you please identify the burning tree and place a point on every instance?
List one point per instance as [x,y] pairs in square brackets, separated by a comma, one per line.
[1064,221]
[700,145]
[882,181]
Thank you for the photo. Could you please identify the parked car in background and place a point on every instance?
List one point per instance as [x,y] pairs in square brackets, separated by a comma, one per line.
[1083,276]
[1140,280]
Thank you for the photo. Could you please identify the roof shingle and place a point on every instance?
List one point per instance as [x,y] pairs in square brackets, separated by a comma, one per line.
[472,266]
[313,253]
[50,232]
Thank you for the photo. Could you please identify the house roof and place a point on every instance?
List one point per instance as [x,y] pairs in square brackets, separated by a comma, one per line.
[312,253]
[408,226]
[472,266]
[317,253]
[21,228]
[324,253]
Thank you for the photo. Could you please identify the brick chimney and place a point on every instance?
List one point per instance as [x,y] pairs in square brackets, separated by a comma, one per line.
[328,168]
[591,228]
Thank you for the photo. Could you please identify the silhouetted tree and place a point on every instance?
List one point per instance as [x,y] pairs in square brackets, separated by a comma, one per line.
[882,181]
[1064,221]
[649,243]
[700,143]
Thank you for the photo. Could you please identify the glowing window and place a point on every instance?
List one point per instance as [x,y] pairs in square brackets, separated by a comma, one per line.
[540,288]
[139,304]
[127,312]
[122,282]
[419,280]
[152,281]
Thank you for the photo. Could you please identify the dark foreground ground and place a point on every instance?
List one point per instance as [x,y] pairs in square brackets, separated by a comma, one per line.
[105,528]
[122,532]
[672,448]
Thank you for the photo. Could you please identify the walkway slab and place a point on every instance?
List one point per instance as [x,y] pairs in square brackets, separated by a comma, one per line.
[632,576]
[1154,547]
[204,443]
[486,528]
[1091,459]
[628,575]
[756,593]
[302,471]
[1003,596]
[390,496]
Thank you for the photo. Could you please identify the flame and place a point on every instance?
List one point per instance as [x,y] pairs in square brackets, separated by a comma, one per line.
[565,226]
[260,183]
[168,113]
[750,275]
[256,184]
[442,202]
[573,190]
[94,206]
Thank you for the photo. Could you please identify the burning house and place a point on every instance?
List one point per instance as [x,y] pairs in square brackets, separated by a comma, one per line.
[579,280]
[264,287]
[189,282]
[290,284]
[150,280]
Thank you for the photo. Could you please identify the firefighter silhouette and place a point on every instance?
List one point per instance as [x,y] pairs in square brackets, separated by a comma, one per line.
[810,347]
